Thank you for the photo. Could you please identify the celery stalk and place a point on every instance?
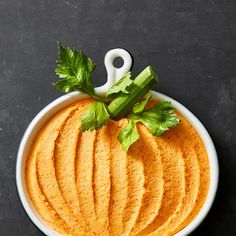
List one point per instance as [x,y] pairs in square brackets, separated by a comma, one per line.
[123,103]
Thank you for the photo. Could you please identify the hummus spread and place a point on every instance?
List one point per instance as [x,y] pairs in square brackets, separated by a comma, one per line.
[84,184]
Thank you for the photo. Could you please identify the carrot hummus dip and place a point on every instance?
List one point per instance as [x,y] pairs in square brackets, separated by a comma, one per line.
[85,184]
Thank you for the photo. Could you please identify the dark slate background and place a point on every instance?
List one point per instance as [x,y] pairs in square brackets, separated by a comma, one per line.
[191,43]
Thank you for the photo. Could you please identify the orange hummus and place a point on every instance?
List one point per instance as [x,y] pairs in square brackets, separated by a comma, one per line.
[84,184]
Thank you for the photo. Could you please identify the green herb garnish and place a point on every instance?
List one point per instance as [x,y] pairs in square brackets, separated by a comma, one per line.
[74,69]
[157,119]
[120,86]
[95,117]
[140,106]
[123,104]
[128,135]
[122,99]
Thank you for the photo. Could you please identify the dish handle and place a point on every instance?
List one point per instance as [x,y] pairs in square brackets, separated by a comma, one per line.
[113,73]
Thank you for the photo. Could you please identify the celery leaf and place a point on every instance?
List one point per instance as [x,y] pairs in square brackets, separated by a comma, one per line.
[95,117]
[74,69]
[128,135]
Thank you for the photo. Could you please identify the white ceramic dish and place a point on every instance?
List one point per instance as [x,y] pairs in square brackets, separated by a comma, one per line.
[114,74]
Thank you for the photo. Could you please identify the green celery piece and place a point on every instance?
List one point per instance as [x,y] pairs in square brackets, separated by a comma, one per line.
[158,119]
[95,117]
[124,103]
[120,86]
[128,135]
[74,69]
[139,107]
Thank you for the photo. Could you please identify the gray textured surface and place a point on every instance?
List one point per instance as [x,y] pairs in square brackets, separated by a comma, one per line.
[192,44]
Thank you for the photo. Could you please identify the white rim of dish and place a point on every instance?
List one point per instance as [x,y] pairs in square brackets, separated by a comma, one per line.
[46,113]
